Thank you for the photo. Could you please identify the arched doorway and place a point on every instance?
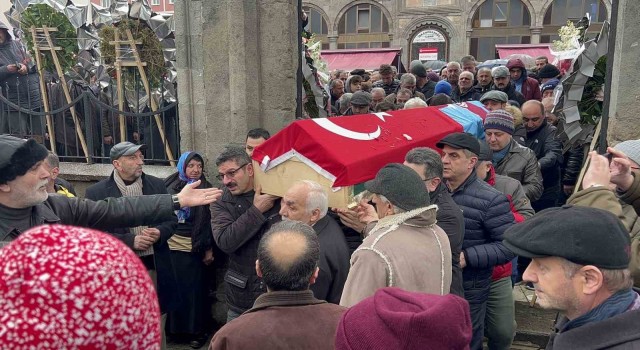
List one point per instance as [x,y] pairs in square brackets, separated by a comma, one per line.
[430,43]
[499,22]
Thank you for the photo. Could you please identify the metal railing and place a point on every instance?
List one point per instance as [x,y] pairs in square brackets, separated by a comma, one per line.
[22,114]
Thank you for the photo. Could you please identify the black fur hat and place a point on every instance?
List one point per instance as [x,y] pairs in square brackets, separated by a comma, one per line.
[17,156]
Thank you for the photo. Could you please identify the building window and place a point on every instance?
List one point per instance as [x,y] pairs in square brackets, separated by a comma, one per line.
[561,11]
[499,22]
[317,25]
[171,2]
[155,2]
[363,26]
[105,3]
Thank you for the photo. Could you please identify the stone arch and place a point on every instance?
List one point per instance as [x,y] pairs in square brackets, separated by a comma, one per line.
[322,12]
[547,4]
[532,12]
[344,9]
[414,26]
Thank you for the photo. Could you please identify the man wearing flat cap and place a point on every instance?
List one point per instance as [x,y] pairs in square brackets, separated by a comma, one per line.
[148,242]
[579,266]
[404,248]
[487,214]
[360,103]
[502,82]
[25,203]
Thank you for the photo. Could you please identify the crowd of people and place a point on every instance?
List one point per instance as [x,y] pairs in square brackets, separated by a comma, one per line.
[426,259]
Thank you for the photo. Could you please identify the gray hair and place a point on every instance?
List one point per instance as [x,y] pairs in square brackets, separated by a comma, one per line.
[467,73]
[344,101]
[317,197]
[415,102]
[378,89]
[484,69]
[408,78]
[613,280]
[454,63]
[396,210]
[53,160]
[429,158]
[295,274]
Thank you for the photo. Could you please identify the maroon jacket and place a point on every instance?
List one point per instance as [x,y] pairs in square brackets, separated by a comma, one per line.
[530,87]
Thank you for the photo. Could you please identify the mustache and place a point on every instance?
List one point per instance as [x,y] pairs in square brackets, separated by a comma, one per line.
[232,184]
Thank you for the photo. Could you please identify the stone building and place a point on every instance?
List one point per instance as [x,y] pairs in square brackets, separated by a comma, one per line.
[455,27]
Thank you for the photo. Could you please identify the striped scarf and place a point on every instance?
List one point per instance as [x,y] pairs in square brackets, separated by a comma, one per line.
[135,189]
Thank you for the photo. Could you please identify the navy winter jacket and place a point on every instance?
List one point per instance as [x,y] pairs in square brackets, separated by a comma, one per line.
[487,215]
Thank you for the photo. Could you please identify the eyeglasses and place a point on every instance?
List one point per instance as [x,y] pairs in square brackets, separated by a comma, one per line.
[534,119]
[231,173]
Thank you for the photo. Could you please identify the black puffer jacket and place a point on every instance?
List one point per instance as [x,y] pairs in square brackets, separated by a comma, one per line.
[471,95]
[23,90]
[487,214]
[237,227]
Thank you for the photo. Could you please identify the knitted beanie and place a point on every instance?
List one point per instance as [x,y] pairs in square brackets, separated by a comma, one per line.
[631,148]
[66,287]
[548,71]
[500,120]
[397,319]
[443,87]
[433,76]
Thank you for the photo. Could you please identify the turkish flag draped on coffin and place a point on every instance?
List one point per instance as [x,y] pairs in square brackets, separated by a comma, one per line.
[350,150]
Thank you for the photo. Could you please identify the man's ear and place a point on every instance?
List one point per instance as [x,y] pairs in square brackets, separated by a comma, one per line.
[250,169]
[472,162]
[5,188]
[315,215]
[314,276]
[258,271]
[592,279]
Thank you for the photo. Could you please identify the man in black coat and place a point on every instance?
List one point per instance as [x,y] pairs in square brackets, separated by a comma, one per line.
[540,136]
[427,163]
[239,220]
[149,243]
[502,82]
[307,202]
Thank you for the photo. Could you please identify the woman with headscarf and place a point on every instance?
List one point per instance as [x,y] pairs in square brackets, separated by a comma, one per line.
[191,250]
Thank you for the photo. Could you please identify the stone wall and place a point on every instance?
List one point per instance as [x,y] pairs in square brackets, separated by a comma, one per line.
[236,63]
[625,96]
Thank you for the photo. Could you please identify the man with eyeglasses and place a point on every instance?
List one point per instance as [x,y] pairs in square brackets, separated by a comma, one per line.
[238,221]
[540,136]
[427,163]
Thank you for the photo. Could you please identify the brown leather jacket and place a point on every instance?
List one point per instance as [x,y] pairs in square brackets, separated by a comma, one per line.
[282,320]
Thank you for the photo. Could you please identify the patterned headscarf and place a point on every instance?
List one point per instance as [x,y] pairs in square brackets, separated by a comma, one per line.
[64,287]
[184,160]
